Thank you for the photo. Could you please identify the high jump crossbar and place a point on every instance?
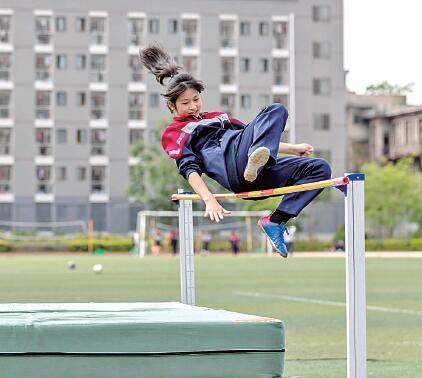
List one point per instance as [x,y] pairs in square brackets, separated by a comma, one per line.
[352,186]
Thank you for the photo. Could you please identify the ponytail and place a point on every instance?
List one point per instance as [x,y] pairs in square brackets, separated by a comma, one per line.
[162,66]
[158,62]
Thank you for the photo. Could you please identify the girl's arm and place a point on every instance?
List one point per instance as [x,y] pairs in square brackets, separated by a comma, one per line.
[212,208]
[301,149]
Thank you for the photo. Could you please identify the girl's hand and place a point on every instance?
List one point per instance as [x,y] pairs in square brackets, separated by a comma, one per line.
[303,149]
[214,210]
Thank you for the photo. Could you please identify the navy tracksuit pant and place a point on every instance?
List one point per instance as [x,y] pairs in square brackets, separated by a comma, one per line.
[265,131]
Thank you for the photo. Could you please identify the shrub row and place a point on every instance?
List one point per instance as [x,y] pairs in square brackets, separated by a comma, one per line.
[124,244]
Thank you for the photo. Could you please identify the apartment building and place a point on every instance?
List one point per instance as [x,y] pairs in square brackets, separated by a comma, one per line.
[73,97]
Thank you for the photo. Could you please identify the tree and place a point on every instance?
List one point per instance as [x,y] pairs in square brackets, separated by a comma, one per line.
[156,176]
[387,89]
[392,195]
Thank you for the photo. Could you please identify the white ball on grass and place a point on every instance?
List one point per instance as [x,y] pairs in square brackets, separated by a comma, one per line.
[97,268]
[71,265]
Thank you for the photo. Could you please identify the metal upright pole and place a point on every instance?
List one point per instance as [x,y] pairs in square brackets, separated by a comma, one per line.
[187,269]
[355,276]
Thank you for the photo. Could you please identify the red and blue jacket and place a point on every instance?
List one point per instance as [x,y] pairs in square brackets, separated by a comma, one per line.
[198,143]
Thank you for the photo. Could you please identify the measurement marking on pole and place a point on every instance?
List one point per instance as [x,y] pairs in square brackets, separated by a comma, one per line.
[326,302]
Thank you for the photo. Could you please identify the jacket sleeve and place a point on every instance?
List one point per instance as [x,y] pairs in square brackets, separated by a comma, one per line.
[237,125]
[188,163]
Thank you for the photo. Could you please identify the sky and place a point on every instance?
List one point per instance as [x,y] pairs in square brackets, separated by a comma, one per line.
[383,41]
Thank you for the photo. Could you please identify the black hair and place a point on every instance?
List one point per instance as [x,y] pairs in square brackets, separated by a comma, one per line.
[162,66]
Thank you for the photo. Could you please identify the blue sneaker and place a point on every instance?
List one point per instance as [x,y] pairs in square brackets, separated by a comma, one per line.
[274,232]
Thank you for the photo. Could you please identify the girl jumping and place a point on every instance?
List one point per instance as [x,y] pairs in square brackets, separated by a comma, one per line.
[239,157]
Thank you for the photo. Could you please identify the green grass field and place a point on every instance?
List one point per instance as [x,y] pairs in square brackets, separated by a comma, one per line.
[275,287]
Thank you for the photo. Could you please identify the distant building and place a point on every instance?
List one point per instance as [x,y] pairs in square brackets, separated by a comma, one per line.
[73,98]
[370,134]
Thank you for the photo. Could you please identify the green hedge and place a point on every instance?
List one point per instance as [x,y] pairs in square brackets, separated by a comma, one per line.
[124,244]
[109,244]
[5,246]
[394,245]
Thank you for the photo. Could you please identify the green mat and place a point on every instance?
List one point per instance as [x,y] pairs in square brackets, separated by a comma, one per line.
[137,340]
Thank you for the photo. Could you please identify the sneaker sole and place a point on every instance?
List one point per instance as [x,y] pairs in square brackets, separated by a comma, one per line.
[282,254]
[257,159]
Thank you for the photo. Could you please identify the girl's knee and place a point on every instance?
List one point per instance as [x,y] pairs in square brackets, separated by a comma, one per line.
[278,109]
[324,168]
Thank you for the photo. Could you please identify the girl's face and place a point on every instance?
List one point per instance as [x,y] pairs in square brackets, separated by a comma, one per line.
[189,103]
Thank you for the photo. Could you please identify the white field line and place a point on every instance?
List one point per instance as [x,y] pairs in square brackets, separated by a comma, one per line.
[325,303]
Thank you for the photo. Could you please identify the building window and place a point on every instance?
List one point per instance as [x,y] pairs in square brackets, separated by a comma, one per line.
[81,173]
[136,71]
[5,66]
[61,61]
[322,121]
[228,70]
[172,26]
[5,28]
[245,28]
[43,105]
[264,65]
[5,99]
[190,33]
[136,106]
[80,98]
[264,28]
[5,104]
[97,28]
[154,100]
[5,140]
[264,100]
[98,142]
[244,65]
[43,66]
[135,136]
[5,178]
[80,24]
[43,30]
[227,33]
[281,99]
[322,86]
[61,24]
[61,98]
[81,136]
[136,31]
[43,178]
[80,61]
[321,13]
[280,71]
[245,101]
[61,135]
[228,103]
[61,173]
[98,105]
[98,177]
[321,50]
[190,64]
[154,26]
[280,35]
[98,68]
[43,141]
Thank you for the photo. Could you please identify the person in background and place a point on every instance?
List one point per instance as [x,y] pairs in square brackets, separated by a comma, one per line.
[173,241]
[205,239]
[289,238]
[234,242]
[155,250]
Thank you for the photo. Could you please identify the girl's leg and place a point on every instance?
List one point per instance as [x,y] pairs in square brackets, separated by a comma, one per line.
[292,170]
[263,131]
[289,171]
